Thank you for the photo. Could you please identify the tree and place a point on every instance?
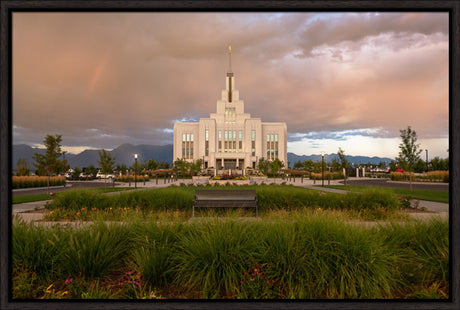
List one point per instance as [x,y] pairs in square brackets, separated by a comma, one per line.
[49,163]
[107,162]
[440,164]
[275,166]
[195,167]
[263,165]
[90,171]
[410,151]
[76,173]
[23,168]
[393,166]
[420,166]
[298,165]
[310,165]
[151,164]
[163,165]
[343,164]
[181,166]
[121,168]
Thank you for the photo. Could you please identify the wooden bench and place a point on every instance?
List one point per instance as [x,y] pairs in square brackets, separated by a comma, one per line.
[218,198]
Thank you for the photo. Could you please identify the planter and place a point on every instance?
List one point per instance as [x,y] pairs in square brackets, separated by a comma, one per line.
[231,182]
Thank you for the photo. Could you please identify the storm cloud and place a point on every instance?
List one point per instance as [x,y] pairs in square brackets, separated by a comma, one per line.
[103,79]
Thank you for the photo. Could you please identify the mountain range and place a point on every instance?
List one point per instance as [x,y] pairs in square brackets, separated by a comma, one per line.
[161,153]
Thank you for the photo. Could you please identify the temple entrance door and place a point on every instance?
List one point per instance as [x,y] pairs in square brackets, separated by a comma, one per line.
[230,164]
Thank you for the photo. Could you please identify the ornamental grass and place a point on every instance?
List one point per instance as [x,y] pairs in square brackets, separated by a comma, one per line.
[308,254]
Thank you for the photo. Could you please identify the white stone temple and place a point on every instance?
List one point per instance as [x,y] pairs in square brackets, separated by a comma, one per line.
[230,139]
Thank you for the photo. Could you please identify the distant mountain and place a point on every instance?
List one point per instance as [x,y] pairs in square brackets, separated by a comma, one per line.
[124,154]
[26,152]
[293,158]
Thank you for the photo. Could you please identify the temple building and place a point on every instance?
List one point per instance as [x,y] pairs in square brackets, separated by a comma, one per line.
[230,138]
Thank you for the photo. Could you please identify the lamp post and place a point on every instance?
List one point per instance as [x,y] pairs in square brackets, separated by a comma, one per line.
[135,170]
[322,168]
[426,160]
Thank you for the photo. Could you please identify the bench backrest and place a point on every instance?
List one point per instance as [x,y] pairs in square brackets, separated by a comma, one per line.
[222,193]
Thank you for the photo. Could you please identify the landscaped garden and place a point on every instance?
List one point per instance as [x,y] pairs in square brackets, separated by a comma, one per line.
[305,244]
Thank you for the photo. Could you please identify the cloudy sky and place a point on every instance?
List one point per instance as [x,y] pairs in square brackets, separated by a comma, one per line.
[349,80]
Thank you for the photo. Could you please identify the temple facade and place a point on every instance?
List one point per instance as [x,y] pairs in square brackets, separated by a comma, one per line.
[230,139]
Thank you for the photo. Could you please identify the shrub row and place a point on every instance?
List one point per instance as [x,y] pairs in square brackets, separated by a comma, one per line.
[305,255]
[125,178]
[327,175]
[36,181]
[431,176]
[270,197]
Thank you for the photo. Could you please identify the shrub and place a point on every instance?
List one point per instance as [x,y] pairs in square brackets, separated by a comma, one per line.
[36,181]
[126,179]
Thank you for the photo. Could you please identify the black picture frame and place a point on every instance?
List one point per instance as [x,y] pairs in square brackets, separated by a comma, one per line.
[9,7]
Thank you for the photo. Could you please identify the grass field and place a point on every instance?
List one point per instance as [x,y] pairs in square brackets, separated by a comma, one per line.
[297,254]
[42,197]
[87,205]
[429,195]
[305,244]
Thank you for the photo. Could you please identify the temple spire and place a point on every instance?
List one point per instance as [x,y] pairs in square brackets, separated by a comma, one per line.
[230,74]
[229,59]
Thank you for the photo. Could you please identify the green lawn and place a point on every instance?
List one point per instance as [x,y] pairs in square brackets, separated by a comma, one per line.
[429,195]
[41,197]
[31,198]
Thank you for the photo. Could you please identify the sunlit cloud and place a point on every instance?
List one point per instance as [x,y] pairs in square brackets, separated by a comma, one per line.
[351,79]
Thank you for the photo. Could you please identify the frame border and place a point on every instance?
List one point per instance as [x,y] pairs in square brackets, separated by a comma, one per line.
[9,6]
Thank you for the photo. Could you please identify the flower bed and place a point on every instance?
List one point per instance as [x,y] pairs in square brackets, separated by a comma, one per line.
[230,182]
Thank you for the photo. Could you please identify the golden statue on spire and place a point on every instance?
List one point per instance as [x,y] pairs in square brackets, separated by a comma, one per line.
[230,49]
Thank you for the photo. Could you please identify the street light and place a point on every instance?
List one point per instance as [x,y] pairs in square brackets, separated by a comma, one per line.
[426,160]
[322,168]
[135,169]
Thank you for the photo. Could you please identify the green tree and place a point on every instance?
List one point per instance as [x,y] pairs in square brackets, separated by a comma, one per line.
[420,166]
[393,166]
[298,165]
[309,165]
[439,163]
[106,161]
[90,170]
[121,168]
[195,167]
[22,167]
[409,151]
[49,163]
[275,166]
[76,173]
[163,165]
[151,164]
[264,165]
[181,166]
[343,164]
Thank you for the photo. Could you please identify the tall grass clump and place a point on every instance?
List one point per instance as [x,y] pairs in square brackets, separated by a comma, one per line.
[319,256]
[96,251]
[155,251]
[424,248]
[212,256]
[37,248]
